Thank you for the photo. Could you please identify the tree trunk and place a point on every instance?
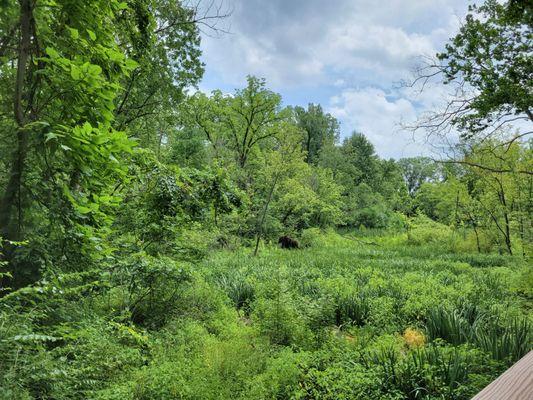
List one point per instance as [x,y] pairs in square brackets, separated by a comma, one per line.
[11,199]
[265,209]
[507,234]
[477,239]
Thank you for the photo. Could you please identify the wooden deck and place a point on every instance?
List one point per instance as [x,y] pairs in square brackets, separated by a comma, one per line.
[514,384]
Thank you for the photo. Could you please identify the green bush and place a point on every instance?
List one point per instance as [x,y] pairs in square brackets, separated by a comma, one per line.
[280,321]
[149,288]
[423,230]
[310,237]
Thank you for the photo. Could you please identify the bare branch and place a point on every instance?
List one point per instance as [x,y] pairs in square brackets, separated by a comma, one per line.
[208,17]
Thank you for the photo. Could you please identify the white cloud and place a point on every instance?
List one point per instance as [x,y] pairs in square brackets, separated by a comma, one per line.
[376,114]
[302,42]
[380,52]
[339,83]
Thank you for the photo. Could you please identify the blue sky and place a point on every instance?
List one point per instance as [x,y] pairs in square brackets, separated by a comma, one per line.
[347,55]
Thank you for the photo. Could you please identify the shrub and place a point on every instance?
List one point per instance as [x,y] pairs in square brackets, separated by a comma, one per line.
[279,378]
[423,230]
[153,288]
[340,382]
[310,237]
[281,323]
[351,308]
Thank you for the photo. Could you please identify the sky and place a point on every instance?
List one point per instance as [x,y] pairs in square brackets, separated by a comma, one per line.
[347,55]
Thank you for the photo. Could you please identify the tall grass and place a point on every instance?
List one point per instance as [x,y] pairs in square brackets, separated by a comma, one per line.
[508,343]
[435,371]
[240,291]
[351,308]
[504,340]
[456,326]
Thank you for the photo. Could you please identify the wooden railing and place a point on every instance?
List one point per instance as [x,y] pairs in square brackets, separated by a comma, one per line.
[514,384]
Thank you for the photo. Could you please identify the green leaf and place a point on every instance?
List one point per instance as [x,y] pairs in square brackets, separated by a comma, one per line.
[83,209]
[32,337]
[115,55]
[38,124]
[131,64]
[52,53]
[101,139]
[94,69]
[107,115]
[92,35]
[74,33]
[49,136]
[87,127]
[75,72]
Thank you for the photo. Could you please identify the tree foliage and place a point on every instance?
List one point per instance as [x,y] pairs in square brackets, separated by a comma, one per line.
[320,130]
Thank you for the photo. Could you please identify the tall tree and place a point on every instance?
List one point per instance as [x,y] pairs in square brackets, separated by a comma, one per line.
[416,171]
[62,87]
[163,37]
[240,122]
[320,129]
[74,75]
[361,160]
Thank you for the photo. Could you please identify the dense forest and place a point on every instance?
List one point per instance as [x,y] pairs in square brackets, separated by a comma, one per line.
[160,242]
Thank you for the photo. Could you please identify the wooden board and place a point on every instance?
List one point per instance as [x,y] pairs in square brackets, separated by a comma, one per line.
[514,384]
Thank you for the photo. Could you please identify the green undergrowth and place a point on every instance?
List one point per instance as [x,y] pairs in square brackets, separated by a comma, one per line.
[348,317]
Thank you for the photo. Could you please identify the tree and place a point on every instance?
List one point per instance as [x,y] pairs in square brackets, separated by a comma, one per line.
[360,160]
[320,130]
[162,201]
[186,148]
[416,171]
[308,197]
[496,205]
[240,122]
[489,65]
[504,198]
[74,75]
[163,37]
[443,201]
[275,164]
[61,86]
[371,188]
[392,186]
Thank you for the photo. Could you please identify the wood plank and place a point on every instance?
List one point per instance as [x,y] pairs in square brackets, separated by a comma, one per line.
[514,384]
